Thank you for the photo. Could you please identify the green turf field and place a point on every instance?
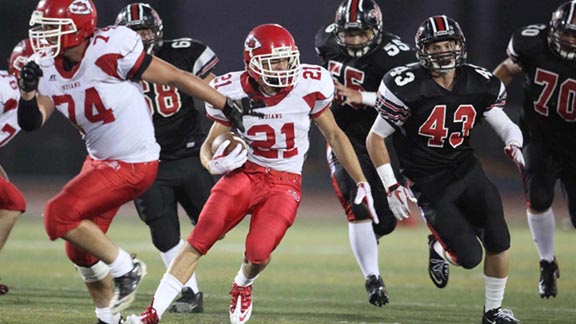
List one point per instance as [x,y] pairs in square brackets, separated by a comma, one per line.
[313,279]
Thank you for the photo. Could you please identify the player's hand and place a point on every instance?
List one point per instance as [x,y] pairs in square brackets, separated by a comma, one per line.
[353,98]
[30,76]
[398,197]
[514,153]
[364,196]
[223,163]
[234,112]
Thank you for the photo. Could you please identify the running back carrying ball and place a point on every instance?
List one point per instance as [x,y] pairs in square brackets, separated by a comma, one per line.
[232,137]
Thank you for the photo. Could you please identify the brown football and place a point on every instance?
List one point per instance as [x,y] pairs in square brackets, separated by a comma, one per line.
[234,141]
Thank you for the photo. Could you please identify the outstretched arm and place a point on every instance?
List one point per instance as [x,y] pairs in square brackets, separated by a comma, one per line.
[507,70]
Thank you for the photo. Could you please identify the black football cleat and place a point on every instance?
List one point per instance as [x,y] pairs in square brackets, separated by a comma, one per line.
[125,287]
[377,293]
[189,302]
[438,268]
[499,316]
[549,273]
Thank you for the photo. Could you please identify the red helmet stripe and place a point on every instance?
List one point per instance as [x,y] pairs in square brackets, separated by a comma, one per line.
[352,10]
[135,11]
[440,24]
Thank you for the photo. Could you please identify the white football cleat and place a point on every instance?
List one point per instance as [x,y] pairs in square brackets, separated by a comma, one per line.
[241,304]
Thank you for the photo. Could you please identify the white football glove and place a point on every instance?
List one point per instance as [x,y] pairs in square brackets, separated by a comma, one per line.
[222,164]
[514,153]
[397,195]
[364,196]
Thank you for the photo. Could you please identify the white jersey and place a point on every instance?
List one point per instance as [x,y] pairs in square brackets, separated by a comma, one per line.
[98,98]
[279,138]
[9,96]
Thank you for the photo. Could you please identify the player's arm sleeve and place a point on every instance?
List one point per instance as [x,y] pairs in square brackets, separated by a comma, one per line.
[509,132]
[323,95]
[132,60]
[205,63]
[390,107]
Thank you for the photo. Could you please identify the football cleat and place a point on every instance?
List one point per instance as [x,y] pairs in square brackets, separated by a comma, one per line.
[499,316]
[438,268]
[125,287]
[189,302]
[149,316]
[377,293]
[241,304]
[549,273]
[3,289]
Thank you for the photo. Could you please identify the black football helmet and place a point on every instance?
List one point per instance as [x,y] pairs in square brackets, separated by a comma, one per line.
[357,16]
[562,32]
[138,16]
[437,29]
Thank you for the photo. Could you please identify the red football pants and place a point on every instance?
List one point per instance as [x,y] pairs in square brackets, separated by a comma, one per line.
[96,194]
[10,197]
[271,197]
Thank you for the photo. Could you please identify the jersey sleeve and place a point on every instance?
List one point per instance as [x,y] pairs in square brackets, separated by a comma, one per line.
[323,94]
[123,52]
[501,97]
[388,105]
[205,63]
[526,42]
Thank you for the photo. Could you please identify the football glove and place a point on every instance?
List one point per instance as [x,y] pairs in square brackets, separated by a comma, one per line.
[30,76]
[364,196]
[398,197]
[514,153]
[234,112]
[222,164]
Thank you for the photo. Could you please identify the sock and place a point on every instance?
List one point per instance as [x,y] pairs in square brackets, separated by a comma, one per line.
[241,279]
[122,264]
[494,292]
[365,247]
[169,255]
[106,316]
[168,289]
[542,226]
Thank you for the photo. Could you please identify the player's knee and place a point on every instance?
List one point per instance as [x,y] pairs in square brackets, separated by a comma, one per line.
[13,198]
[58,217]
[94,273]
[540,200]
[385,226]
[165,241]
[258,254]
[470,260]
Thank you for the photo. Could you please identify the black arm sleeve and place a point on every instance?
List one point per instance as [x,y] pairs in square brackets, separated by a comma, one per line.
[29,115]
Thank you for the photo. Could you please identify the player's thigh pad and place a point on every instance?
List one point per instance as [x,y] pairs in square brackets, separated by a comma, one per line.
[539,176]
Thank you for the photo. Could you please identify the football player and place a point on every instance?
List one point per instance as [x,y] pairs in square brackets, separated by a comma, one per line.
[87,74]
[546,58]
[435,105]
[357,52]
[265,179]
[181,177]
[12,203]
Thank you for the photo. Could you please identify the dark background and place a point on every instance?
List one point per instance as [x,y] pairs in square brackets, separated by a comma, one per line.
[57,150]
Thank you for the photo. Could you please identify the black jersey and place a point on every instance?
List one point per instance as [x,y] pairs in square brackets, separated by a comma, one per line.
[549,111]
[436,123]
[177,122]
[363,73]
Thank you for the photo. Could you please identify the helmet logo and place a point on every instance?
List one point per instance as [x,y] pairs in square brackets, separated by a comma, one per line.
[251,44]
[80,7]
[375,14]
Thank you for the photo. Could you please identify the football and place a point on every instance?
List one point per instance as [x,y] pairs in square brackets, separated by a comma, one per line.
[234,141]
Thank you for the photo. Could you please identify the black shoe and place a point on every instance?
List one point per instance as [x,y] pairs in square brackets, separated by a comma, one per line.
[3,289]
[377,294]
[499,316]
[189,302]
[438,268]
[125,287]
[549,272]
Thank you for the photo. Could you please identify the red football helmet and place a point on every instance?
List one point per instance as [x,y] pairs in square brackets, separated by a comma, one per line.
[19,57]
[266,45]
[61,24]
